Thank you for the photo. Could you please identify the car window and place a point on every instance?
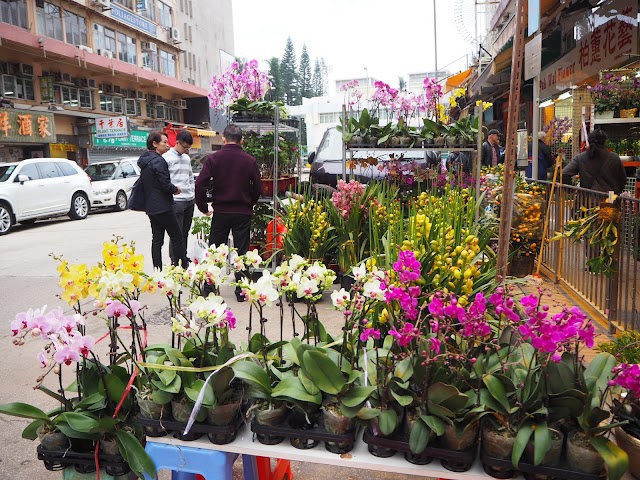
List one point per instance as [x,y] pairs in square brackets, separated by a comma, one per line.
[127,170]
[30,170]
[48,170]
[6,171]
[331,146]
[67,170]
[101,171]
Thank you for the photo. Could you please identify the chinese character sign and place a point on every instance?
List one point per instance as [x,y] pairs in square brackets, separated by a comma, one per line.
[607,46]
[26,126]
[112,127]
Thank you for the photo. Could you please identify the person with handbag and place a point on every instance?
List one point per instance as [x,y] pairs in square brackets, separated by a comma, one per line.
[158,201]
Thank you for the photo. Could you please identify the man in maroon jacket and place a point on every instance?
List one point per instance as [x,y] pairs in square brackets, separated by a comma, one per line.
[234,178]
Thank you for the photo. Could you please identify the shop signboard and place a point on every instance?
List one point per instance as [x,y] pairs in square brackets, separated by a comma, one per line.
[136,139]
[26,126]
[608,45]
[46,89]
[112,127]
[130,18]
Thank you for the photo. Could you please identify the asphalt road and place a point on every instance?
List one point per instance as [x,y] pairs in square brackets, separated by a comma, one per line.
[28,279]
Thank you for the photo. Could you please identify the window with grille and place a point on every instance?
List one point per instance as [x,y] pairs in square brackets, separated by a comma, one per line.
[14,12]
[50,21]
[76,28]
[126,48]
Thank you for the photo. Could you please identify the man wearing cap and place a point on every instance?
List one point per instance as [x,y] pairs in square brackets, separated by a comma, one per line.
[491,149]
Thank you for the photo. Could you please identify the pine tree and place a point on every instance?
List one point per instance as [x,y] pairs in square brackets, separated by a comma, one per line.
[325,76]
[277,92]
[306,89]
[289,74]
[316,80]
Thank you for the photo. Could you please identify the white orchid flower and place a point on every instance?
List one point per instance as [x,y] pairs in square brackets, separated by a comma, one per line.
[340,299]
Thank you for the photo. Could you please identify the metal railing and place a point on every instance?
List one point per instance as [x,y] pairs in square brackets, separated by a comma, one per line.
[617,297]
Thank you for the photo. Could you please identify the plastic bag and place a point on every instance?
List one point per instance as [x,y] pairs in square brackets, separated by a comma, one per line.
[196,248]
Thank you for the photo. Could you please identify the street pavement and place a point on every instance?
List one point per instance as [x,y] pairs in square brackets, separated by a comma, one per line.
[28,279]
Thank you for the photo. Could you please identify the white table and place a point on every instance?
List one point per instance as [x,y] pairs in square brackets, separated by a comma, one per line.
[359,457]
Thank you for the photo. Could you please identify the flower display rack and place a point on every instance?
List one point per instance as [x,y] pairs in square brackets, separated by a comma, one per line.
[500,468]
[455,461]
[219,435]
[305,439]
[83,462]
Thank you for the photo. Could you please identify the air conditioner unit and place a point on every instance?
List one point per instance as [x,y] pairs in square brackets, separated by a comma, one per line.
[102,3]
[174,34]
[117,89]
[66,77]
[91,82]
[105,53]
[180,103]
[85,48]
[26,69]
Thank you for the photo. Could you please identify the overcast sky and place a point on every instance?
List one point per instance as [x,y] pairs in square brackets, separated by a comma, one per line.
[389,39]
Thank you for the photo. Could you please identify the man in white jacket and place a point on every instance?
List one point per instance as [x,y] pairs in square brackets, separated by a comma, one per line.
[182,176]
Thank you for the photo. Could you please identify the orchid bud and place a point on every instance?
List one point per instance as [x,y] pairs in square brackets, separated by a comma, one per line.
[21,341]
[56,369]
[36,331]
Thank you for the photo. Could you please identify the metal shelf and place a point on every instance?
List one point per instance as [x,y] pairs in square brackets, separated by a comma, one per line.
[401,149]
[604,121]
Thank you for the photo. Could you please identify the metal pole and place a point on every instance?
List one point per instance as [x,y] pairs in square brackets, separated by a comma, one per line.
[276,119]
[535,127]
[344,150]
[478,159]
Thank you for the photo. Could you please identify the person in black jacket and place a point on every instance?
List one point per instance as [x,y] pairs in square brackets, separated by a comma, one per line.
[233,177]
[491,149]
[158,196]
[599,169]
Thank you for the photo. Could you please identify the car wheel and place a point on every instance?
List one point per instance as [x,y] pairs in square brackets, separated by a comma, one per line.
[121,201]
[79,207]
[6,219]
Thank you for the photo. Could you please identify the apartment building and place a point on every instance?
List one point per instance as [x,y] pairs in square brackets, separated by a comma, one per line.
[68,64]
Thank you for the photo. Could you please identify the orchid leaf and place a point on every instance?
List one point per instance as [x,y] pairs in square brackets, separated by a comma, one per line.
[31,431]
[616,459]
[357,396]
[434,423]
[135,454]
[419,437]
[18,409]
[367,413]
[522,438]
[193,392]
[161,397]
[307,383]
[323,372]
[598,372]
[541,442]
[78,421]
[388,421]
[173,387]
[497,390]
[404,369]
[291,387]
[403,400]
[253,374]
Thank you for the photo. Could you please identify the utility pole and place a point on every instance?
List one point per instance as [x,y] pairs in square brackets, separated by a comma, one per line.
[506,208]
[435,38]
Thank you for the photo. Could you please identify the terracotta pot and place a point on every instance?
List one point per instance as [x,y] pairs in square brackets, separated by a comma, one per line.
[631,445]
[581,456]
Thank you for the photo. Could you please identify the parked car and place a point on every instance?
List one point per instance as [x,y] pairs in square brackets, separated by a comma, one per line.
[42,188]
[112,181]
[326,162]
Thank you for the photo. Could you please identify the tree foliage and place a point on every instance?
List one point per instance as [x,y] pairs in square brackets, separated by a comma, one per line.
[306,88]
[289,74]
[316,80]
[277,93]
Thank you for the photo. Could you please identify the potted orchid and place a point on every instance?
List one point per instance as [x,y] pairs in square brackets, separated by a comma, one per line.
[239,81]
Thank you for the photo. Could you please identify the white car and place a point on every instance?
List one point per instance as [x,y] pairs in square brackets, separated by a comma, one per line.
[42,188]
[112,182]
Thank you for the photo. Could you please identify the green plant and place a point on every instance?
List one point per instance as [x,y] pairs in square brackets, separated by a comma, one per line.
[625,347]
[365,125]
[262,215]
[201,227]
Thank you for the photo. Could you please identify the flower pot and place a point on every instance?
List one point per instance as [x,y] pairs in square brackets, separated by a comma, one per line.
[182,409]
[631,445]
[581,455]
[498,444]
[459,443]
[301,421]
[412,416]
[628,112]
[151,409]
[438,142]
[109,446]
[551,458]
[222,415]
[267,187]
[347,282]
[335,422]
[606,115]
[521,265]
[52,440]
[272,415]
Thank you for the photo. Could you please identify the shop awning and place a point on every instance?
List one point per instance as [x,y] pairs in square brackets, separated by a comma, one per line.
[458,79]
[202,133]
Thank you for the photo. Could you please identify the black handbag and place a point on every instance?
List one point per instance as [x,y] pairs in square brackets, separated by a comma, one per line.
[136,199]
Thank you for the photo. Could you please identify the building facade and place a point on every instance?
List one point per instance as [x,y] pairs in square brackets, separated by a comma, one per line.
[66,64]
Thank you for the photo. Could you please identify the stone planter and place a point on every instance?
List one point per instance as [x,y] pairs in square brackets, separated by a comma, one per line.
[631,445]
[606,115]
[581,456]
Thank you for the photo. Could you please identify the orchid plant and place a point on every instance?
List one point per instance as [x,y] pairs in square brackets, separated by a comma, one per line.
[238,81]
